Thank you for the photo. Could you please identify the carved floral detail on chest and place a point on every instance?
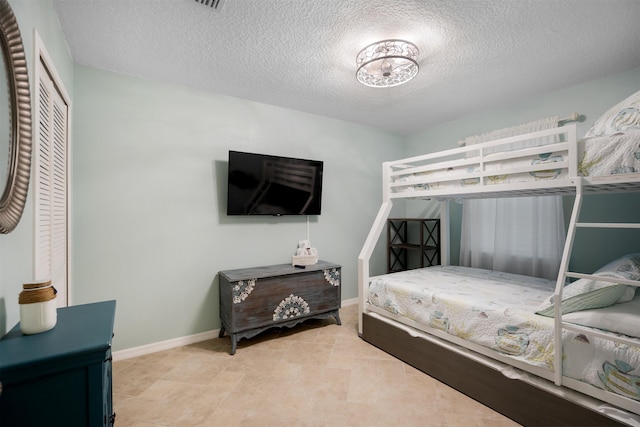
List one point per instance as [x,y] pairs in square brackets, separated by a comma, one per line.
[291,306]
[242,289]
[332,275]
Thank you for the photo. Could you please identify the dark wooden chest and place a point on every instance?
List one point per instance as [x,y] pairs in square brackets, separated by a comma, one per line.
[253,300]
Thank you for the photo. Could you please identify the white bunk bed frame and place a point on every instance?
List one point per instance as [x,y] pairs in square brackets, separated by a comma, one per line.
[567,401]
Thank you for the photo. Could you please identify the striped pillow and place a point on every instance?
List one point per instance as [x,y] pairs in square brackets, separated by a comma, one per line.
[581,295]
[585,294]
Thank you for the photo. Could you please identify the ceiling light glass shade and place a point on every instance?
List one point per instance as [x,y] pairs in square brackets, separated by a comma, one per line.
[387,63]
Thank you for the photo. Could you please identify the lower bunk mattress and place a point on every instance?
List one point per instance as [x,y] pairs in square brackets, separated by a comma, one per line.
[498,311]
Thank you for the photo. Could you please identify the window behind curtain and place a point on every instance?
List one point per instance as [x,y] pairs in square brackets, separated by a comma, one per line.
[51,178]
[523,235]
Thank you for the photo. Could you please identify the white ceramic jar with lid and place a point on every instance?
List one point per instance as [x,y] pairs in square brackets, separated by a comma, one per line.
[38,307]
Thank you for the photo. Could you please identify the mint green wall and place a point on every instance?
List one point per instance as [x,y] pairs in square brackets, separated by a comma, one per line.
[149,176]
[16,248]
[149,189]
[591,99]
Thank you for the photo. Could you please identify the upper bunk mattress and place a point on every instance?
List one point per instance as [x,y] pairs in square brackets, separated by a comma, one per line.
[497,310]
[616,155]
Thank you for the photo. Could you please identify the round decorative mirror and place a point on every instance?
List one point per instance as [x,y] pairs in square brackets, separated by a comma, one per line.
[15,122]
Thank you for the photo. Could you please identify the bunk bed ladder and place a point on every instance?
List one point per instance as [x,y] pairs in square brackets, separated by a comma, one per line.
[564,273]
[562,277]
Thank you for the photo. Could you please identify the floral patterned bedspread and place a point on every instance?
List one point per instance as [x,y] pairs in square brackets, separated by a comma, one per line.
[614,154]
[497,310]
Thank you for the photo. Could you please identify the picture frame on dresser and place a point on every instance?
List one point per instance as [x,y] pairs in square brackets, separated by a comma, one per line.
[255,299]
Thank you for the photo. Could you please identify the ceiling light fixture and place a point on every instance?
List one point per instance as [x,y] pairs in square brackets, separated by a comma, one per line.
[387,63]
[214,4]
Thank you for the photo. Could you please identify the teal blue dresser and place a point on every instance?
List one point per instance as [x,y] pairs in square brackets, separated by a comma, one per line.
[61,377]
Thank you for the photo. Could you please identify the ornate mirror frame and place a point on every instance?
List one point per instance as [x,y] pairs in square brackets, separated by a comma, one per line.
[14,190]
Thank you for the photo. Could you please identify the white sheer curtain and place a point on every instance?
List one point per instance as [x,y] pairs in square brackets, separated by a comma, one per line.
[523,235]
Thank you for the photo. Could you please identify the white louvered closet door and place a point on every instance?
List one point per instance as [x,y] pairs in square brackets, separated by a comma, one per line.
[51,182]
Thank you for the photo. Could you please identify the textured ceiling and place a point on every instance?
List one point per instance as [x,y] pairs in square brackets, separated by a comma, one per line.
[300,54]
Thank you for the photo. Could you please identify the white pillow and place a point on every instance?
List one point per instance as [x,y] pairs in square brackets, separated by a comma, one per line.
[624,115]
[618,318]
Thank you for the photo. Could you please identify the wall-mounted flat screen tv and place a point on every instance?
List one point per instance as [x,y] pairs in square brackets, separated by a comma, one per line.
[261,184]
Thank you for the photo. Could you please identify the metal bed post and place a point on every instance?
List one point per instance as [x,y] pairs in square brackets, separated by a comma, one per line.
[445,242]
[369,245]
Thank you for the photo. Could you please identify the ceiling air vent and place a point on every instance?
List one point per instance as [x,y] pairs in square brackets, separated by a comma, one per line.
[214,4]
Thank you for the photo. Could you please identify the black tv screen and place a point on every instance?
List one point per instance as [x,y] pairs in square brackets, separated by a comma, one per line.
[261,184]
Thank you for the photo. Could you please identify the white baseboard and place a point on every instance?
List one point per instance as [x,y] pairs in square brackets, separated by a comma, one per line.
[348,302]
[164,345]
[181,341]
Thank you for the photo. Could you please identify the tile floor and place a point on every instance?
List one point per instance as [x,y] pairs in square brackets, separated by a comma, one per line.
[316,374]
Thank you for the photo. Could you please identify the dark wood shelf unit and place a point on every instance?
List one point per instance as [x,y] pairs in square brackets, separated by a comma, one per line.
[412,243]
